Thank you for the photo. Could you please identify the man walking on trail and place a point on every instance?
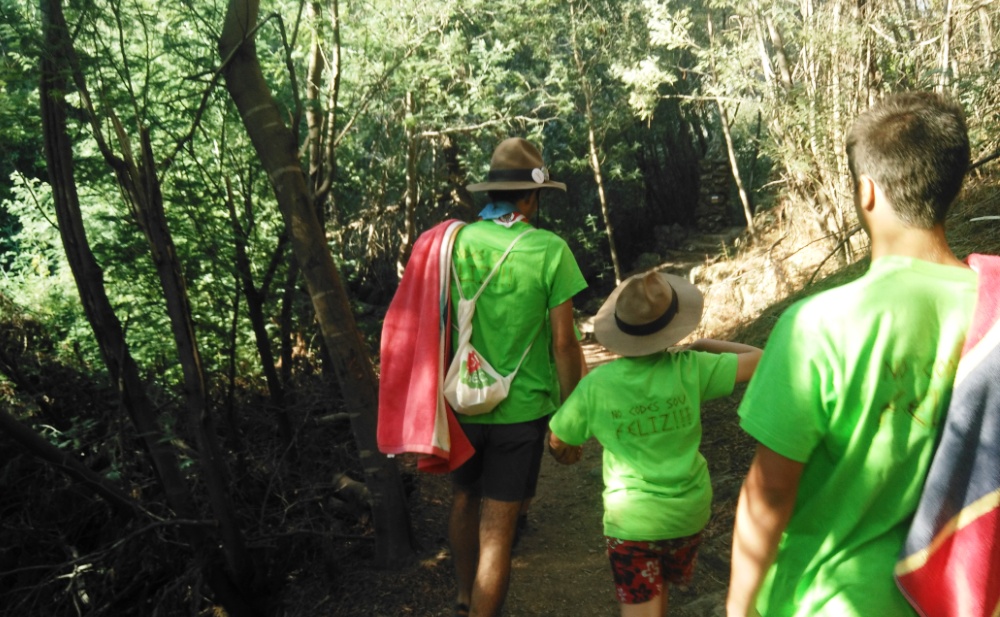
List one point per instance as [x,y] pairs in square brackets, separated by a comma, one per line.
[848,400]
[528,302]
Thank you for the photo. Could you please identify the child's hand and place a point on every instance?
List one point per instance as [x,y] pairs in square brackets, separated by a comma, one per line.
[568,455]
[563,452]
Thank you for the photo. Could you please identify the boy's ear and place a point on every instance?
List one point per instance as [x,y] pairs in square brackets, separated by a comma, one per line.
[866,193]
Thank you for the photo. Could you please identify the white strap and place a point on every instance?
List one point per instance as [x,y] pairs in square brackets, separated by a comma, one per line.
[465,330]
[525,354]
[496,267]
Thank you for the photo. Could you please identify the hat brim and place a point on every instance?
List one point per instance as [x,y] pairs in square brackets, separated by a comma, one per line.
[690,304]
[514,186]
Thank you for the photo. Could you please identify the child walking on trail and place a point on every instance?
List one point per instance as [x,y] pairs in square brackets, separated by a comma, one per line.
[645,410]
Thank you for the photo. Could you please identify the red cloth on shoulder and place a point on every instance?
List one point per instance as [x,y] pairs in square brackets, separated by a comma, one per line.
[413,415]
[950,563]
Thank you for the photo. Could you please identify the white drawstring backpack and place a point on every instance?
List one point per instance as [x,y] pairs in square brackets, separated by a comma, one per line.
[472,386]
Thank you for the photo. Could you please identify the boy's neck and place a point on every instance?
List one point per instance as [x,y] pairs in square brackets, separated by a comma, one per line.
[924,244]
[891,236]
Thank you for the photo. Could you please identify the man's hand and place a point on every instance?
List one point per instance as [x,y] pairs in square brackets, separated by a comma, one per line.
[563,452]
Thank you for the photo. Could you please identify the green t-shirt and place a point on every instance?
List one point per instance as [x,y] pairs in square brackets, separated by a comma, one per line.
[646,412]
[854,384]
[538,275]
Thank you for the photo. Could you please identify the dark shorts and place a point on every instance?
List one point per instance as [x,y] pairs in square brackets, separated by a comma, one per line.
[640,568]
[507,459]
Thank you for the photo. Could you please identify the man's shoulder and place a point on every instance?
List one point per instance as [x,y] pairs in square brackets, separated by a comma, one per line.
[488,229]
[838,301]
[544,235]
[882,287]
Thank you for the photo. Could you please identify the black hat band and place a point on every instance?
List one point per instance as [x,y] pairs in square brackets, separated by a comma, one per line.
[538,175]
[654,326]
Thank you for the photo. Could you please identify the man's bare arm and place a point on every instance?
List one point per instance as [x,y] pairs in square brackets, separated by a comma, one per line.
[765,506]
[565,348]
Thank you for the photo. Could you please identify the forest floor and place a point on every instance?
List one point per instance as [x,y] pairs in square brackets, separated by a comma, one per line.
[559,567]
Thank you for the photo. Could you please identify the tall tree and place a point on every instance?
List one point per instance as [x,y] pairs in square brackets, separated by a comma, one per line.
[276,146]
[585,80]
[55,66]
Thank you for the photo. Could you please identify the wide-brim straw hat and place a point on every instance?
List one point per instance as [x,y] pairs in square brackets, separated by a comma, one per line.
[648,313]
[516,165]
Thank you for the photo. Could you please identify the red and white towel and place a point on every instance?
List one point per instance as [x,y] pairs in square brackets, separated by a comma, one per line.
[413,415]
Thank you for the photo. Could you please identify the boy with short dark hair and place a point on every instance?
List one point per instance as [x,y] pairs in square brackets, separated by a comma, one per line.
[849,398]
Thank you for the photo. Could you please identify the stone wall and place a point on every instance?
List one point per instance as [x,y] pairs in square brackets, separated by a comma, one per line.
[713,212]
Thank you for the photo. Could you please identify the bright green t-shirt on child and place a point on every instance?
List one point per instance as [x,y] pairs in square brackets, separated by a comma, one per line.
[854,383]
[646,413]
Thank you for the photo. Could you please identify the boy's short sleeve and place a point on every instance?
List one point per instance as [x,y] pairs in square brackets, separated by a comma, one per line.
[570,423]
[717,373]
[782,408]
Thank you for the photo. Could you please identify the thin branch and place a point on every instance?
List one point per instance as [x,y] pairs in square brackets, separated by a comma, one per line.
[702,99]
[203,104]
[34,199]
[290,66]
[843,241]
[96,554]
[482,125]
[985,160]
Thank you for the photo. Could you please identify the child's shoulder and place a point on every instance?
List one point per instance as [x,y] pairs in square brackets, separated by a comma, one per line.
[635,364]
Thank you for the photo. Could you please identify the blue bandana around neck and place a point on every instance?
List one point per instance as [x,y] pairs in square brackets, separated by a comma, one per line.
[495,210]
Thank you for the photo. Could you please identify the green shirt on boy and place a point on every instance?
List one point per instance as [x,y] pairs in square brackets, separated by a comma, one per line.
[646,413]
[854,384]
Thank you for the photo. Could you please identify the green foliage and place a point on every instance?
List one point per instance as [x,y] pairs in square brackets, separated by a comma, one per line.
[649,73]
[35,271]
[18,108]
[429,86]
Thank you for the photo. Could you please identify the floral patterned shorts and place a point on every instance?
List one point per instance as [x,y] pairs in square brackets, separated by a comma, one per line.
[640,568]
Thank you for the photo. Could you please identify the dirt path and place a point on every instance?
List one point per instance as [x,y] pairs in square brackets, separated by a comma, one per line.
[560,568]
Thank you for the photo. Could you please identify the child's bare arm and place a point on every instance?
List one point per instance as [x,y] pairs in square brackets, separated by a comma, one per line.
[563,452]
[747,356]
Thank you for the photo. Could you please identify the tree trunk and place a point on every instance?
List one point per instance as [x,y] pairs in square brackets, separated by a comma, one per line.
[734,166]
[730,148]
[946,33]
[232,422]
[142,185]
[593,155]
[314,88]
[410,200]
[285,321]
[87,273]
[276,147]
[90,283]
[985,31]
[66,462]
[595,166]
[258,322]
[779,53]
